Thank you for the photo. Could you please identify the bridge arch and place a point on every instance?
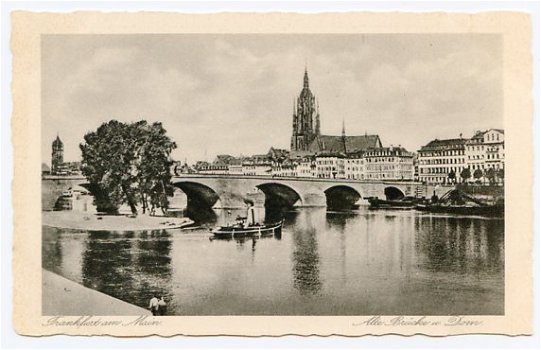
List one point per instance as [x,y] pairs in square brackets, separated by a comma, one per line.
[393,193]
[199,195]
[341,197]
[279,195]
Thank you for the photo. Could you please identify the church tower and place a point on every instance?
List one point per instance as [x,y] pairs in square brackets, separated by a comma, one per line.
[57,158]
[305,118]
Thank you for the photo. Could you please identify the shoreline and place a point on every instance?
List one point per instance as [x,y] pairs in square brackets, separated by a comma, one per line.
[117,223]
[64,297]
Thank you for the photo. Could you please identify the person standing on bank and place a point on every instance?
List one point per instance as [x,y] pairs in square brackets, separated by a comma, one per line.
[162,307]
[154,305]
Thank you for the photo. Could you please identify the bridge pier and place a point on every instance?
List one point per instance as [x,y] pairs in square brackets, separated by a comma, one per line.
[314,199]
[231,200]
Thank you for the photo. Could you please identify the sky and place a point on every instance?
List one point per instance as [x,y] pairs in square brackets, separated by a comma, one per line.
[233,93]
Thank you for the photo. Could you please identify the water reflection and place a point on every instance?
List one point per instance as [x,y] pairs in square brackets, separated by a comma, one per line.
[51,249]
[128,266]
[460,245]
[322,263]
[305,256]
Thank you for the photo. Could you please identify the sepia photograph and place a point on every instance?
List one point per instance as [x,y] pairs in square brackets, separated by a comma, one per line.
[272,174]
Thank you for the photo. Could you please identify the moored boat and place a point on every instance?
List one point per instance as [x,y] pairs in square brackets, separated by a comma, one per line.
[488,210]
[403,203]
[457,202]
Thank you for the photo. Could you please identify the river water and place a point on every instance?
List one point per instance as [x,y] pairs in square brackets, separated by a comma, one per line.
[361,262]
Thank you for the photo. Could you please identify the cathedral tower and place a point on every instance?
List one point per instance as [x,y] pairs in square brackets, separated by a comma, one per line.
[305,118]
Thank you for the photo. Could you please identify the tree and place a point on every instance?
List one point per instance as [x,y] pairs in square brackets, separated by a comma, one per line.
[490,174]
[128,163]
[451,175]
[500,173]
[478,173]
[465,174]
[154,165]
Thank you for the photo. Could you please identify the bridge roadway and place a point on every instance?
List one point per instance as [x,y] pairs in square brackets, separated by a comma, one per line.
[232,191]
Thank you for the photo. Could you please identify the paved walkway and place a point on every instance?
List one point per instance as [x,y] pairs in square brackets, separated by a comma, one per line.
[67,298]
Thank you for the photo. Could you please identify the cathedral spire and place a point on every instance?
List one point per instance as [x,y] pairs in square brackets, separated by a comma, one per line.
[304,117]
[344,135]
[318,125]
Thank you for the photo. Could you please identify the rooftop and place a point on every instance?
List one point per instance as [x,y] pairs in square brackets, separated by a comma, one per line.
[331,143]
[444,144]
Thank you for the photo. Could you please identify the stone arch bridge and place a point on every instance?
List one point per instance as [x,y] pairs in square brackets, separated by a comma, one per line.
[230,191]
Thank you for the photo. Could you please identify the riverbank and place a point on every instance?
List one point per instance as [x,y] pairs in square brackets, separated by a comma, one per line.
[94,222]
[61,296]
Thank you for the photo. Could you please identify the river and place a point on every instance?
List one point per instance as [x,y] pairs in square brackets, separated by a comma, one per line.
[361,262]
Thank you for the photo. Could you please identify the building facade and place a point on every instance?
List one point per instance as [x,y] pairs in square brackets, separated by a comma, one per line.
[330,166]
[252,168]
[388,163]
[495,148]
[439,158]
[479,154]
[306,167]
[484,151]
[354,166]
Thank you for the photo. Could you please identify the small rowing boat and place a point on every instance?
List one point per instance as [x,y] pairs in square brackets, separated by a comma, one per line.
[247,230]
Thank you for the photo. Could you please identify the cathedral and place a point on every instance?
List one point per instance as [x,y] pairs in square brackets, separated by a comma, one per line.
[306,138]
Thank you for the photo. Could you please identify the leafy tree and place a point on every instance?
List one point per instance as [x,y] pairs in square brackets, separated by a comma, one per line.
[478,173]
[500,173]
[465,174]
[153,162]
[451,175]
[490,174]
[128,163]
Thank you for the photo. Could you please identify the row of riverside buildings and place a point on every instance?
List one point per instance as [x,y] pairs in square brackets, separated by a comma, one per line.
[431,165]
[363,157]
[478,158]
[392,163]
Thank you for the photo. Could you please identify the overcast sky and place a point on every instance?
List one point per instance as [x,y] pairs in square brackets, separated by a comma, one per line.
[234,93]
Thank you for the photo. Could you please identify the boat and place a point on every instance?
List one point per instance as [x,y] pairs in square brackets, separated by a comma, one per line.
[241,229]
[252,230]
[403,203]
[458,202]
[486,210]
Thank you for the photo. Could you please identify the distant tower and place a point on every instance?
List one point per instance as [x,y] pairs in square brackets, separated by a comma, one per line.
[57,158]
[305,110]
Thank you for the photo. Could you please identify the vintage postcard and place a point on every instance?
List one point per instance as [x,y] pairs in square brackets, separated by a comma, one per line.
[270,174]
